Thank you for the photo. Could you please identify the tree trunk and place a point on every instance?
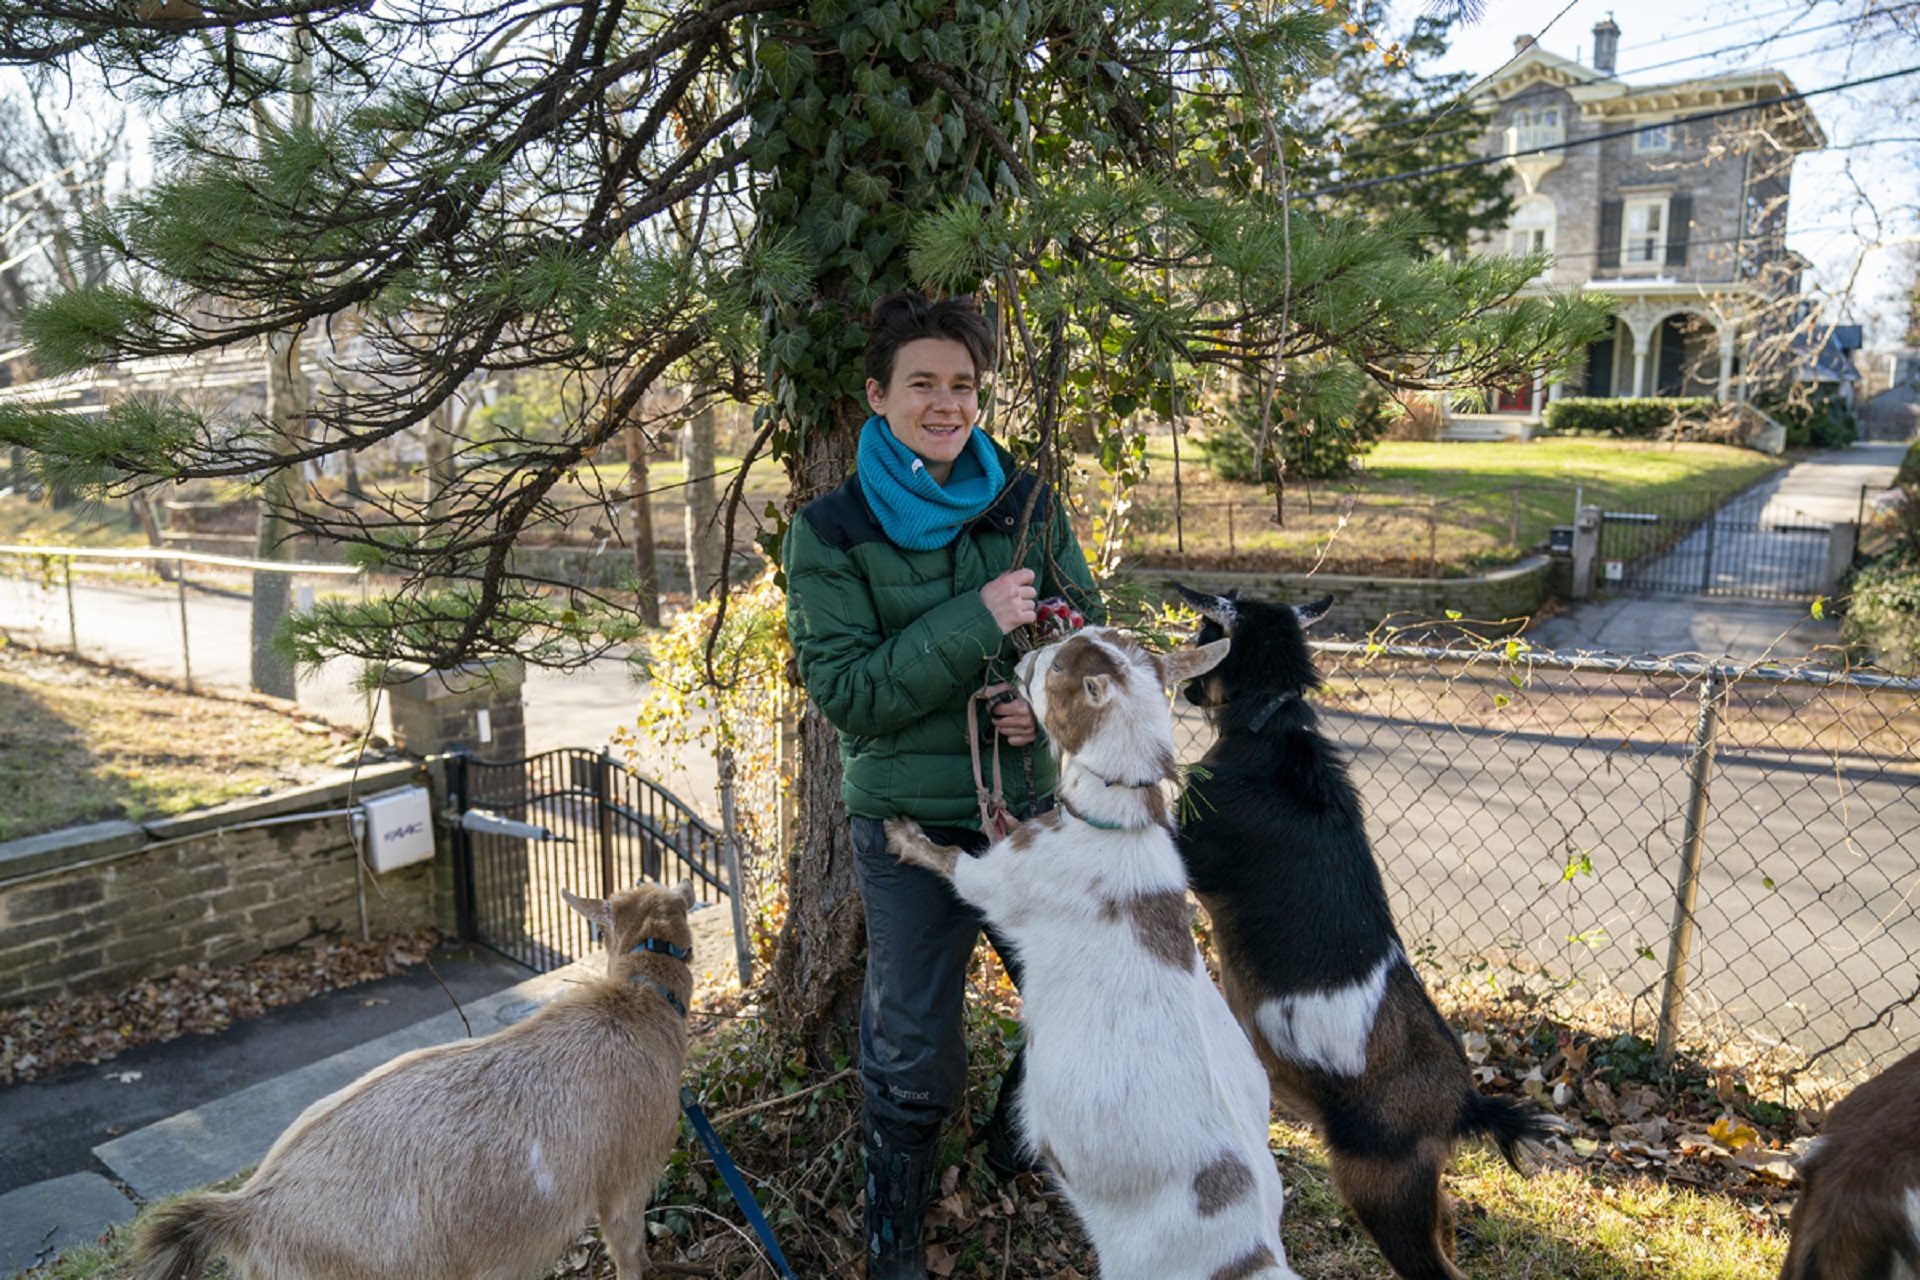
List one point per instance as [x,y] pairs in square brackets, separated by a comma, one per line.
[286,412]
[814,987]
[271,672]
[646,574]
[704,532]
[142,507]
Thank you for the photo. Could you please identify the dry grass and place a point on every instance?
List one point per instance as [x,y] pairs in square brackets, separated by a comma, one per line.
[81,743]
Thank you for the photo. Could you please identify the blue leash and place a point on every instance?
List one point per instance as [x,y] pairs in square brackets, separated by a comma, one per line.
[735,1183]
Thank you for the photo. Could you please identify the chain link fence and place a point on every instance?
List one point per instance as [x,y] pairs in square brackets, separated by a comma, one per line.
[1727,854]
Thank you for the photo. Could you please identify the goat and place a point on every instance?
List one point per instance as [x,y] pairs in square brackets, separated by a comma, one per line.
[481,1159]
[1859,1214]
[1141,1095]
[1277,853]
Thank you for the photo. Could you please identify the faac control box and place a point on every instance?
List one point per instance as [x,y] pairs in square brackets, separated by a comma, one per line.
[399,830]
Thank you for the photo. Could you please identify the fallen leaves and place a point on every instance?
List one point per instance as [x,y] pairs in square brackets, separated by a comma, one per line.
[39,1039]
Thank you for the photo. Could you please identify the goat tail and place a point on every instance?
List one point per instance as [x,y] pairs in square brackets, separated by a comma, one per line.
[176,1241]
[1512,1126]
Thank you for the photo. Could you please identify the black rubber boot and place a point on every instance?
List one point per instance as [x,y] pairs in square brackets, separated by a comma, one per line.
[1007,1153]
[898,1180]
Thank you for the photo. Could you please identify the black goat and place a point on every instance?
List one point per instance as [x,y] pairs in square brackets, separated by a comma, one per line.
[1276,851]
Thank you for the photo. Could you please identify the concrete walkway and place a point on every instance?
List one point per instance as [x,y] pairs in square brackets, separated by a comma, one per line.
[1822,489]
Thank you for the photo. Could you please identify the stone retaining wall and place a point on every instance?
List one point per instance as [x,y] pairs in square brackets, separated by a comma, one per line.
[95,908]
[1505,597]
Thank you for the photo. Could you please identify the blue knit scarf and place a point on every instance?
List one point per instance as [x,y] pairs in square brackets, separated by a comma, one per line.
[916,511]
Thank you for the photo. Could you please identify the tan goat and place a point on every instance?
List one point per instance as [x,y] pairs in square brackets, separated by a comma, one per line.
[1859,1217]
[481,1159]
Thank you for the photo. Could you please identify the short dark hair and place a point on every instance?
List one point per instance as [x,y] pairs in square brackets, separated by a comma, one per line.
[907,316]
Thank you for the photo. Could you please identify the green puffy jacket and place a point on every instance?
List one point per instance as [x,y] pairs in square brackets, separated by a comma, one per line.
[890,644]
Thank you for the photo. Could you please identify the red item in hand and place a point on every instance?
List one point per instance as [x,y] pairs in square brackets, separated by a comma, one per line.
[1055,617]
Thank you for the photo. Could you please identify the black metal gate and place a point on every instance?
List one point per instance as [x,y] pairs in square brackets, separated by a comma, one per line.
[567,819]
[1692,548]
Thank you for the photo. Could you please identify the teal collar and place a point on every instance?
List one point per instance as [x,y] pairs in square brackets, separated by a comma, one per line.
[1095,822]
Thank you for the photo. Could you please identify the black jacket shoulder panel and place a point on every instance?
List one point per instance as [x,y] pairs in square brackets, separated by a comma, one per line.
[842,519]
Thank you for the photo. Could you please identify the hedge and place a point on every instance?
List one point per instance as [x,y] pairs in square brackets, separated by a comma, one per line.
[1642,418]
[1910,466]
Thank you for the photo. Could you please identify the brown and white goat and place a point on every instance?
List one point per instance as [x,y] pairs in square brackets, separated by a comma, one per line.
[1859,1216]
[1141,1094]
[482,1159]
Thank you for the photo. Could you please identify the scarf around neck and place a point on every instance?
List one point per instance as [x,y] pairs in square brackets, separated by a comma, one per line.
[916,511]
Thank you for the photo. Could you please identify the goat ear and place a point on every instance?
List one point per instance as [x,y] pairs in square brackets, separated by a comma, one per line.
[1308,614]
[598,910]
[1218,608]
[1098,689]
[685,890]
[1185,664]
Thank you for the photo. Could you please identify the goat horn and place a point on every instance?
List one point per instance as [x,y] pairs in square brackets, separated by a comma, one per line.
[1216,607]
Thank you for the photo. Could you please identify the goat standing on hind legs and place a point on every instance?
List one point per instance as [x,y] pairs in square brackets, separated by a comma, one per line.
[1276,851]
[1858,1217]
[1141,1095]
[477,1160]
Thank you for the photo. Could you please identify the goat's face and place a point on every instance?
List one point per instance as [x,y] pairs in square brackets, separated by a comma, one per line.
[644,911]
[1269,647]
[1100,691]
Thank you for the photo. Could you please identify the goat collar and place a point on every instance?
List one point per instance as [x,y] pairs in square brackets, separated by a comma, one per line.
[1265,713]
[662,990]
[1103,826]
[660,946]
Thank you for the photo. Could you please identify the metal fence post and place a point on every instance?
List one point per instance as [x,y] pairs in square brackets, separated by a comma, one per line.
[1706,572]
[186,647]
[736,883]
[73,628]
[1686,891]
[603,766]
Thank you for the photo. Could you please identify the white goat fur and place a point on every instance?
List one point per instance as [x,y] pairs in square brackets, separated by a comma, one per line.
[481,1159]
[1141,1093]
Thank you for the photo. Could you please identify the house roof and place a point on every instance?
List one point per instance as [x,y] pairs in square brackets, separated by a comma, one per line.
[1826,354]
[1611,102]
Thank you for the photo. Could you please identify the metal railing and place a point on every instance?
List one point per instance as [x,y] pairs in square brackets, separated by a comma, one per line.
[57,564]
[1728,854]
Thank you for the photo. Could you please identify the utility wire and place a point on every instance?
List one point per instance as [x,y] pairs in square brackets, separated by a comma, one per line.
[1340,188]
[1596,78]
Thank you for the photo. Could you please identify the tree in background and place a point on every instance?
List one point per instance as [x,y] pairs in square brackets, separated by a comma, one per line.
[712,194]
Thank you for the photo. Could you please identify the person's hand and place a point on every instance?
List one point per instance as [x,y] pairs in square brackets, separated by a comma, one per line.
[1009,598]
[1013,717]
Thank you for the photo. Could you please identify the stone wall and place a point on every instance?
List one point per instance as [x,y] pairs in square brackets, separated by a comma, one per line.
[1496,604]
[95,908]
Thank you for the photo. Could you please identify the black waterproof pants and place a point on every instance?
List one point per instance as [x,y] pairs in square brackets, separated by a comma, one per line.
[913,1047]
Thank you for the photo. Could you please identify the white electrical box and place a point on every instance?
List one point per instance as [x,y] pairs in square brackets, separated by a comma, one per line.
[399,828]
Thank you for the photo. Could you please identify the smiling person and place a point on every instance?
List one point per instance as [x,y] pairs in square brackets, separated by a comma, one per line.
[901,594]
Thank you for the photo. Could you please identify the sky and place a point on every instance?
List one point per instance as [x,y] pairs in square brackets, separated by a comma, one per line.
[1855,207]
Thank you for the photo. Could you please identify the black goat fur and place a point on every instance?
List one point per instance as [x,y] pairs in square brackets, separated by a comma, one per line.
[1276,850]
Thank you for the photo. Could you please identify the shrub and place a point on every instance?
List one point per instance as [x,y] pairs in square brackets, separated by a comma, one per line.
[1884,615]
[1814,419]
[1909,467]
[1316,440]
[1644,418]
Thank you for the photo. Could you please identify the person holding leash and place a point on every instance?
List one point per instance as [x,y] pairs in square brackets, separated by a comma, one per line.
[903,598]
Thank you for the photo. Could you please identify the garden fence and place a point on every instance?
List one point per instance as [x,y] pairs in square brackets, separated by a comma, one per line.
[1724,854]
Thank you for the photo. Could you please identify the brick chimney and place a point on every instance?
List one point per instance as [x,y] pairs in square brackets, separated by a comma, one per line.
[1606,44]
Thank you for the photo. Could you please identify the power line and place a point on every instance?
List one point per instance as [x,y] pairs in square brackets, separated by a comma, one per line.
[1340,188]
[1597,77]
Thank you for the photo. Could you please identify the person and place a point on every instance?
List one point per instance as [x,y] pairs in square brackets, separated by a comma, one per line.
[902,601]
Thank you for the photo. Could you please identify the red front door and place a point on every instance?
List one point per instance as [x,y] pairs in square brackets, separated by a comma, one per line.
[1514,399]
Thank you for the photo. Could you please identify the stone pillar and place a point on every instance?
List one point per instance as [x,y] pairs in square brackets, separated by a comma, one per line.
[1726,362]
[1642,343]
[475,708]
[1842,538]
[1586,550]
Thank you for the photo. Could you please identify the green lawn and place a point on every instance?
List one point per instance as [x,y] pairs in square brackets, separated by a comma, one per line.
[1422,507]
[82,524]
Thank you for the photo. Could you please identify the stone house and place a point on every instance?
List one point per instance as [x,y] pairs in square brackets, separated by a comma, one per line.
[1683,221]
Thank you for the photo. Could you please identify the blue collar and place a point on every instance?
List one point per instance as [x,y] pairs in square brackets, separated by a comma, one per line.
[660,946]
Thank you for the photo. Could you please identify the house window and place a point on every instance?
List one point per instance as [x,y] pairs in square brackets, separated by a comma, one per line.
[1655,137]
[1645,238]
[1531,229]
